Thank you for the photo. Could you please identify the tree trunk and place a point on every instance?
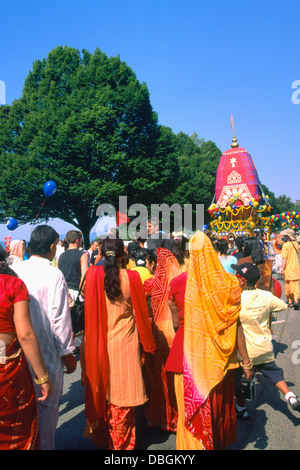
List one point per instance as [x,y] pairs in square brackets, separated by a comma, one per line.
[86,236]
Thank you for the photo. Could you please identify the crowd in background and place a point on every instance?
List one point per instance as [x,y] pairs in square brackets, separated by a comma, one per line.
[168,324]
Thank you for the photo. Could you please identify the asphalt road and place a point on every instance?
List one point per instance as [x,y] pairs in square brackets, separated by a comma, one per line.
[272,425]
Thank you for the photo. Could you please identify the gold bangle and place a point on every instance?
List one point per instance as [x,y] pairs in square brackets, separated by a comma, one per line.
[247,366]
[43,380]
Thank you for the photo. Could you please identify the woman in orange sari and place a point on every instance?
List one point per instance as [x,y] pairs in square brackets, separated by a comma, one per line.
[161,409]
[211,312]
[18,408]
[117,325]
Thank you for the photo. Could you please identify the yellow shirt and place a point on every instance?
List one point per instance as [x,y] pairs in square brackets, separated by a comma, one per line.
[290,253]
[257,305]
[143,272]
[131,264]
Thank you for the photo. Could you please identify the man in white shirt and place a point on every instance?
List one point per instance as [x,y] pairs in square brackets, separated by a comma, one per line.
[50,316]
[93,250]
[257,307]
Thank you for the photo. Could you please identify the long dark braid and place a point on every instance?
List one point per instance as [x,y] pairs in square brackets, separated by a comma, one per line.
[112,249]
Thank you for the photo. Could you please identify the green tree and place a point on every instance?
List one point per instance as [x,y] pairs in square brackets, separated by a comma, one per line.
[284,204]
[85,122]
[198,162]
[281,203]
[272,198]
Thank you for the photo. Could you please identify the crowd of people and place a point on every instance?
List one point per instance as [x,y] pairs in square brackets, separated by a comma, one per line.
[171,323]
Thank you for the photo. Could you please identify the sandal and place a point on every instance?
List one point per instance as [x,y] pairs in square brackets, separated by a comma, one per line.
[242,413]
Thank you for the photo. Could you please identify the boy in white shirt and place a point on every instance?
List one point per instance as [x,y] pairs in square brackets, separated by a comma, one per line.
[257,307]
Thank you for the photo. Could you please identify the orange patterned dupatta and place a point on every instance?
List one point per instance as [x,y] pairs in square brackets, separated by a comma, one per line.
[161,407]
[212,307]
[167,268]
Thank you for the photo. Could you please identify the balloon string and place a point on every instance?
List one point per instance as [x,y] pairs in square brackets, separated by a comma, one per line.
[41,208]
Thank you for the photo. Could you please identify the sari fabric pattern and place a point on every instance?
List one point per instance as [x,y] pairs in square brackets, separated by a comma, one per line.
[117,432]
[161,408]
[212,307]
[19,428]
[167,268]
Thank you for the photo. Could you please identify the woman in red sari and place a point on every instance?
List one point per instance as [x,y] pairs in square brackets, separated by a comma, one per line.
[161,409]
[18,407]
[117,325]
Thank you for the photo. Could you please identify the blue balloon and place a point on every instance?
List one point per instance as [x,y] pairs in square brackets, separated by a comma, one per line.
[205,227]
[50,188]
[12,224]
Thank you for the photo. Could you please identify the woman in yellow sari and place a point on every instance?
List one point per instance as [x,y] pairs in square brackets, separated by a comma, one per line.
[211,312]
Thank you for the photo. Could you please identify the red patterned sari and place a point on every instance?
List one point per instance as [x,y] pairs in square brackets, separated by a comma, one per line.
[18,407]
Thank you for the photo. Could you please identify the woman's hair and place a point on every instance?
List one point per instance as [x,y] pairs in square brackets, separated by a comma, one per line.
[132,247]
[179,249]
[239,241]
[112,249]
[152,257]
[222,246]
[140,256]
[4,268]
[253,248]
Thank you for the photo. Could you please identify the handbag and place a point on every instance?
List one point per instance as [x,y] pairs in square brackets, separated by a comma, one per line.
[77,312]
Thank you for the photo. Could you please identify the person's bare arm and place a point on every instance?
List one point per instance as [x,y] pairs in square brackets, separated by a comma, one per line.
[283,265]
[29,343]
[175,316]
[242,347]
[84,263]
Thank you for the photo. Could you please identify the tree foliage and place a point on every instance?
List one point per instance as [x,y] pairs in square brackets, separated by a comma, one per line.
[281,203]
[86,122]
[198,163]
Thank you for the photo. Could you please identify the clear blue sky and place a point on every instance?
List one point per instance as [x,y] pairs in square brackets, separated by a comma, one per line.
[201,61]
